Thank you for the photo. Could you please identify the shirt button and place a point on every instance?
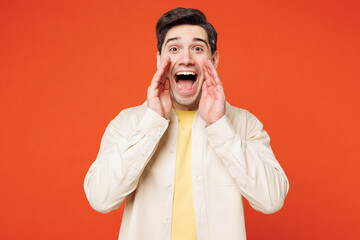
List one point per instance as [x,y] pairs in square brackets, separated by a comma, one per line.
[171,150]
[169,185]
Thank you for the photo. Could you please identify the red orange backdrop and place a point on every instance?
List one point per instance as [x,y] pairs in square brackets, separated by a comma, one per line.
[68,67]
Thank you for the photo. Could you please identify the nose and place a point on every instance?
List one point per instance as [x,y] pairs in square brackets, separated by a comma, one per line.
[186,58]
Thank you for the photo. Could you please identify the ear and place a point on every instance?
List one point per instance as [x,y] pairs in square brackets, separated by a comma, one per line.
[158,60]
[215,59]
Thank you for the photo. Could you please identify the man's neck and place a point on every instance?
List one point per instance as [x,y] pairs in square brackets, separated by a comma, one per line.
[191,107]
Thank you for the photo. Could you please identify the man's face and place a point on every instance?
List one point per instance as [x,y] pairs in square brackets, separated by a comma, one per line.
[187,46]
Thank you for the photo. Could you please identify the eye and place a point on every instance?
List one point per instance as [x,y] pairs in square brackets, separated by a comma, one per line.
[198,49]
[173,49]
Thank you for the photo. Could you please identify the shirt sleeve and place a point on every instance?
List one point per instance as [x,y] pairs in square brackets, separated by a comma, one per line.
[124,152]
[250,162]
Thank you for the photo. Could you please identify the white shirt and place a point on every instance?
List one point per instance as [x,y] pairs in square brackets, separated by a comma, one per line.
[230,159]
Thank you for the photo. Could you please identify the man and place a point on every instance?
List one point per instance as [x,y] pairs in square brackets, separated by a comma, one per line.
[184,159]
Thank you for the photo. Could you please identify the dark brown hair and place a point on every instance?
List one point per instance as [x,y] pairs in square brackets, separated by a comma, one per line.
[179,16]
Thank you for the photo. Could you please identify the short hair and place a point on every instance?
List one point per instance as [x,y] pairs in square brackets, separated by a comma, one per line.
[180,16]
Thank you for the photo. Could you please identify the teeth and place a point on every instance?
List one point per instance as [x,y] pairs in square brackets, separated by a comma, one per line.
[185,73]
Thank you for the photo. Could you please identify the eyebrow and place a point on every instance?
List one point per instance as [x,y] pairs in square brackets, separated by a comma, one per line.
[171,39]
[201,40]
[194,39]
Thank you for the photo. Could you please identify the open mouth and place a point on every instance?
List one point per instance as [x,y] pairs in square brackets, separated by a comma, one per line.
[185,80]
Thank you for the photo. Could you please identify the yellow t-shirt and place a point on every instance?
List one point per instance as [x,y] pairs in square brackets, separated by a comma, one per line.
[183,216]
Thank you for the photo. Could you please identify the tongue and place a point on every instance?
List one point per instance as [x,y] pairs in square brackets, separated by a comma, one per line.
[185,84]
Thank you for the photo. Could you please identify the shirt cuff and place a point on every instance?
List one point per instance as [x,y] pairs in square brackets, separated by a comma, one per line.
[152,122]
[220,132]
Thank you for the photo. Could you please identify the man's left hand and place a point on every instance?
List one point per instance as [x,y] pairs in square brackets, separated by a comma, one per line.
[212,102]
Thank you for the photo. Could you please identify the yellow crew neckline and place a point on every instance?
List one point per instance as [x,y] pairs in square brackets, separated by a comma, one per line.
[185,114]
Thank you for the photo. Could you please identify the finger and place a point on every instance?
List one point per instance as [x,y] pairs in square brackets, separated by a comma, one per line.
[208,71]
[213,72]
[211,80]
[161,73]
[204,90]
[164,68]
[214,77]
[166,84]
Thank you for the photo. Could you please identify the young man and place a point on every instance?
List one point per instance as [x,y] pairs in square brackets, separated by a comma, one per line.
[184,159]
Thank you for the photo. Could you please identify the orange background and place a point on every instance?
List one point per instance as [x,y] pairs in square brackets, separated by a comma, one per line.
[68,67]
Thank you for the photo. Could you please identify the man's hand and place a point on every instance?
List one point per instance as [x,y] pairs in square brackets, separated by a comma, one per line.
[212,102]
[158,95]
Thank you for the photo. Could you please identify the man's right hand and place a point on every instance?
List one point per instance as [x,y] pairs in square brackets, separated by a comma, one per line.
[158,95]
